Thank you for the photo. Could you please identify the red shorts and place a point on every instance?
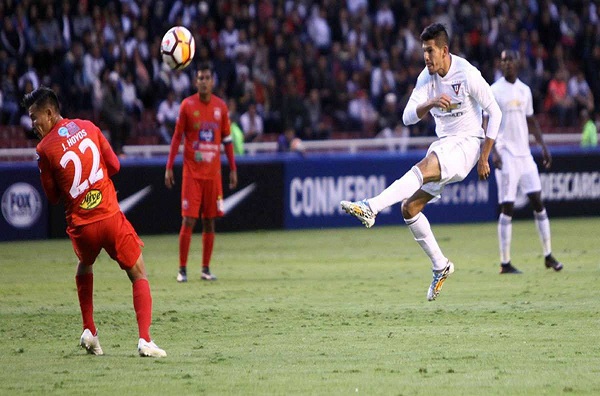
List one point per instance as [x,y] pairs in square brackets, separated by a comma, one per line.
[201,197]
[115,234]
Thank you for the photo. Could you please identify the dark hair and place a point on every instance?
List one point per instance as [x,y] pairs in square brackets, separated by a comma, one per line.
[509,53]
[205,66]
[43,96]
[437,32]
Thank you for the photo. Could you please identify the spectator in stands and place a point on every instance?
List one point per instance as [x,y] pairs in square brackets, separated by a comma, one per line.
[25,120]
[228,37]
[183,12]
[589,133]
[12,39]
[389,125]
[113,114]
[580,91]
[318,128]
[237,138]
[168,110]
[180,83]
[293,110]
[558,102]
[289,142]
[93,64]
[361,112]
[10,92]
[65,24]
[82,21]
[318,29]
[132,103]
[382,80]
[29,74]
[51,32]
[251,123]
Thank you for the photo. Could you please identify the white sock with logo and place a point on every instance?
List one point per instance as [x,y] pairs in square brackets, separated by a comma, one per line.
[421,230]
[398,191]
[543,225]
[504,237]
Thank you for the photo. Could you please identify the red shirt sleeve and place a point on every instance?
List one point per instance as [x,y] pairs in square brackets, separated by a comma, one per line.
[48,183]
[177,135]
[110,158]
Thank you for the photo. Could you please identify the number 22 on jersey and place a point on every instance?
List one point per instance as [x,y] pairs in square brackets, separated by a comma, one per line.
[96,173]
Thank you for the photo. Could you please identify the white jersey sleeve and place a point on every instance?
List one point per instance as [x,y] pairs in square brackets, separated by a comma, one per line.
[418,96]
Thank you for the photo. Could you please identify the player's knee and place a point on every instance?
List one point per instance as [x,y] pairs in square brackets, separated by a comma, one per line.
[508,208]
[410,209]
[188,222]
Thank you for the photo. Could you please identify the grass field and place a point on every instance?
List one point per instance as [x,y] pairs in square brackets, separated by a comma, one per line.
[322,312]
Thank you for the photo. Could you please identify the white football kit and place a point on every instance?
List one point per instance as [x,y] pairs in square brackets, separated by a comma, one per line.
[518,167]
[460,127]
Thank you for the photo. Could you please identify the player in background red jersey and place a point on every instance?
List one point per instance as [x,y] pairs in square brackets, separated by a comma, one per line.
[76,163]
[203,122]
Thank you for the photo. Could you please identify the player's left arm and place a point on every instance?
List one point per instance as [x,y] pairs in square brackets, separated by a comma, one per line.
[228,145]
[48,182]
[534,128]
[481,91]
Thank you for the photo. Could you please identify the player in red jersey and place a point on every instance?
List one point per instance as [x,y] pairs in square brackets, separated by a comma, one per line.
[76,163]
[204,124]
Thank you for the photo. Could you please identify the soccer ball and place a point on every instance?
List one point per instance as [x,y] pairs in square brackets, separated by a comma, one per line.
[177,47]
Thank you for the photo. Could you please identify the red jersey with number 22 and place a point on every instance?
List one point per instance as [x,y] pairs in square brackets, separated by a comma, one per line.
[76,162]
[203,125]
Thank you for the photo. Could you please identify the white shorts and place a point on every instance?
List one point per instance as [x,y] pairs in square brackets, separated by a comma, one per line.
[516,173]
[457,155]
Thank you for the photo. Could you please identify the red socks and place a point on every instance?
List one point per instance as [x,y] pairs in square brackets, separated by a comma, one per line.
[142,303]
[85,292]
[185,237]
[208,240]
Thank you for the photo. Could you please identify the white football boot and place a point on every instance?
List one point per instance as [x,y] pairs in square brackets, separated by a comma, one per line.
[150,349]
[438,280]
[361,210]
[91,343]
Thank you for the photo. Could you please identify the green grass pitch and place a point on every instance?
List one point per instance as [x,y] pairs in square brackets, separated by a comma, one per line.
[319,312]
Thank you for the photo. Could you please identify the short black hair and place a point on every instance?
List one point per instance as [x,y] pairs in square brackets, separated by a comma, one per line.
[437,32]
[205,66]
[509,53]
[42,96]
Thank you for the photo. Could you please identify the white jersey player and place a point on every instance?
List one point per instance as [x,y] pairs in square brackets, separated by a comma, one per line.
[515,167]
[454,93]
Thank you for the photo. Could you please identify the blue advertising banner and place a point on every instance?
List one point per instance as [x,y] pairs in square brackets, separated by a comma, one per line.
[314,187]
[23,204]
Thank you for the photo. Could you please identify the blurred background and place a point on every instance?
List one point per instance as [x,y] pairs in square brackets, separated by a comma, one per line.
[320,79]
[328,69]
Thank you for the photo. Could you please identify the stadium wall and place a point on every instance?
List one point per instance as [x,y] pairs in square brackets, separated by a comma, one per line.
[290,191]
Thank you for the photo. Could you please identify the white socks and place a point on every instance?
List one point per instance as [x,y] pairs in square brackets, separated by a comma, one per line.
[543,226]
[398,191]
[504,237]
[505,234]
[421,230]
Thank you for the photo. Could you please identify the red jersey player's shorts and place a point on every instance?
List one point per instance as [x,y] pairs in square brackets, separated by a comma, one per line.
[114,234]
[201,197]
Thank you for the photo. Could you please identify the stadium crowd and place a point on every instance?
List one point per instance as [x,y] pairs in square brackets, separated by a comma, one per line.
[315,66]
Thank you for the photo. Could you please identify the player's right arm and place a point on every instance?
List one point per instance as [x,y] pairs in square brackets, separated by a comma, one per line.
[175,142]
[419,103]
[110,158]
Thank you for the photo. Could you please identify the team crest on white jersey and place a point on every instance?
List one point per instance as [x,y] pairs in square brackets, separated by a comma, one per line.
[456,87]
[217,113]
